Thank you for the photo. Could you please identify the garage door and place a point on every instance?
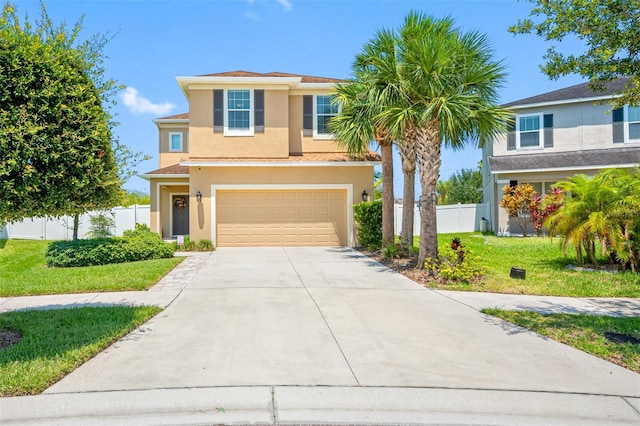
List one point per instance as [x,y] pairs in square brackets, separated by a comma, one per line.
[281,217]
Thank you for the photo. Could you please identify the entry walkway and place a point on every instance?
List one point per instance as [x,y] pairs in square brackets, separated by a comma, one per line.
[311,335]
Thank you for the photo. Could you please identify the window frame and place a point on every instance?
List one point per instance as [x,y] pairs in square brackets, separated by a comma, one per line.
[627,125]
[316,134]
[540,131]
[238,132]
[171,134]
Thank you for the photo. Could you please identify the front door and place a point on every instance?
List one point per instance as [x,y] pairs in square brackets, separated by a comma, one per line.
[180,206]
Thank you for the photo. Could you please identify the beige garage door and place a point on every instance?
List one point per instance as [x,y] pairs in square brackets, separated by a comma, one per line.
[281,217]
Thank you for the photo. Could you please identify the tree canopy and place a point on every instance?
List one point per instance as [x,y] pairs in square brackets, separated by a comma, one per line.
[56,152]
[464,187]
[610,31]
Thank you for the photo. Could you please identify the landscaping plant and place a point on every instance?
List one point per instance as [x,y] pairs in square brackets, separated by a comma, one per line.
[603,210]
[134,245]
[517,201]
[368,216]
[454,264]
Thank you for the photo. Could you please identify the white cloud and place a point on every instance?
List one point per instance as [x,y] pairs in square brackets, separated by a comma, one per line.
[138,104]
[286,5]
[250,14]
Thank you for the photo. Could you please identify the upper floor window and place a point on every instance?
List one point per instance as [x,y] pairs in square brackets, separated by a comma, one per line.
[530,131]
[528,128]
[626,124]
[318,110]
[175,142]
[238,107]
[238,112]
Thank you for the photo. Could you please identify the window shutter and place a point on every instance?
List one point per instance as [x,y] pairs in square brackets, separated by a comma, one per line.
[307,115]
[548,130]
[618,125]
[258,111]
[218,111]
[511,134]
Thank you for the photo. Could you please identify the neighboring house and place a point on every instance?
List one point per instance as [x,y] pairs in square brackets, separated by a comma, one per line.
[253,164]
[556,135]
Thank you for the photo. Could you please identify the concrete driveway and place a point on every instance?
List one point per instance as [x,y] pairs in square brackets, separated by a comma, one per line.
[333,317]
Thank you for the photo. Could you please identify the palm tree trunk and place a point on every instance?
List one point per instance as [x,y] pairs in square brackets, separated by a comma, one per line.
[428,155]
[388,232]
[408,155]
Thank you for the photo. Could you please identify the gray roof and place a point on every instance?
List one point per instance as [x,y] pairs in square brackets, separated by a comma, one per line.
[596,158]
[579,91]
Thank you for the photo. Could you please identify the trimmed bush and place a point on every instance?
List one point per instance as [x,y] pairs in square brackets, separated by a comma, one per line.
[134,245]
[368,217]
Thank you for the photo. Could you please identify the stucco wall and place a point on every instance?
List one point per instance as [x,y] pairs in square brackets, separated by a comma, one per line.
[577,126]
[201,180]
[273,143]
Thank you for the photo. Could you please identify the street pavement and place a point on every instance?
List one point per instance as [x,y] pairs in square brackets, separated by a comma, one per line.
[326,335]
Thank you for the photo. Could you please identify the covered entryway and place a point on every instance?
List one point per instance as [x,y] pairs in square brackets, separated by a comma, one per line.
[269,217]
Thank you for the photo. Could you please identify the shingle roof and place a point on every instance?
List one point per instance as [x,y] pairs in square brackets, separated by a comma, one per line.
[579,91]
[184,115]
[596,158]
[305,78]
[174,169]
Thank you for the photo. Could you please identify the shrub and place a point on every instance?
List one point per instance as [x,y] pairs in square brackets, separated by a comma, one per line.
[368,217]
[135,245]
[455,263]
[391,251]
[101,225]
[204,245]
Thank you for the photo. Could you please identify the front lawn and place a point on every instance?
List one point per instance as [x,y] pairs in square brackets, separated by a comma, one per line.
[585,332]
[23,272]
[545,269]
[56,342]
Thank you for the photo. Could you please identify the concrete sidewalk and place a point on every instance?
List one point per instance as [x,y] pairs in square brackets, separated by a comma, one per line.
[302,335]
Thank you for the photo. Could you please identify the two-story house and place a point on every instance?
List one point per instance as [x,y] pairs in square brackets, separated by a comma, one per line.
[253,163]
[556,135]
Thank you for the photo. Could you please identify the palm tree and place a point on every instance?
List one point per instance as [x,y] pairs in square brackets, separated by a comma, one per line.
[378,65]
[354,130]
[605,208]
[449,97]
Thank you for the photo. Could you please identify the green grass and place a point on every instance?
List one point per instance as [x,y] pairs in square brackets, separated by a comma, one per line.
[55,342]
[584,332]
[545,269]
[23,272]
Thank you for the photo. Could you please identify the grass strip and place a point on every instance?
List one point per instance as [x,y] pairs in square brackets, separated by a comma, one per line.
[544,262]
[56,342]
[583,332]
[23,272]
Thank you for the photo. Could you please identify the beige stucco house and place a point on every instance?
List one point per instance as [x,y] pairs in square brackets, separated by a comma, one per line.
[556,135]
[253,164]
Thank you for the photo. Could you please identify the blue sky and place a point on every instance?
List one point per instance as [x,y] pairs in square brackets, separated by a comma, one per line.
[155,41]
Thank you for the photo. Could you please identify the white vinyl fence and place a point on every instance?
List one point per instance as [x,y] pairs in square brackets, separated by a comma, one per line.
[62,228]
[451,218]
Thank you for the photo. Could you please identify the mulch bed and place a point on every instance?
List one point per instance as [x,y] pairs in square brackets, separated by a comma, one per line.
[9,337]
[404,266]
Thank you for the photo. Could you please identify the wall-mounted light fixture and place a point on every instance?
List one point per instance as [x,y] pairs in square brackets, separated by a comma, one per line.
[365,196]
[198,196]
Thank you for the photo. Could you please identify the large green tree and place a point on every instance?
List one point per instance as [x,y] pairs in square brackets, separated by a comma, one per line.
[56,153]
[449,83]
[464,187]
[609,30]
